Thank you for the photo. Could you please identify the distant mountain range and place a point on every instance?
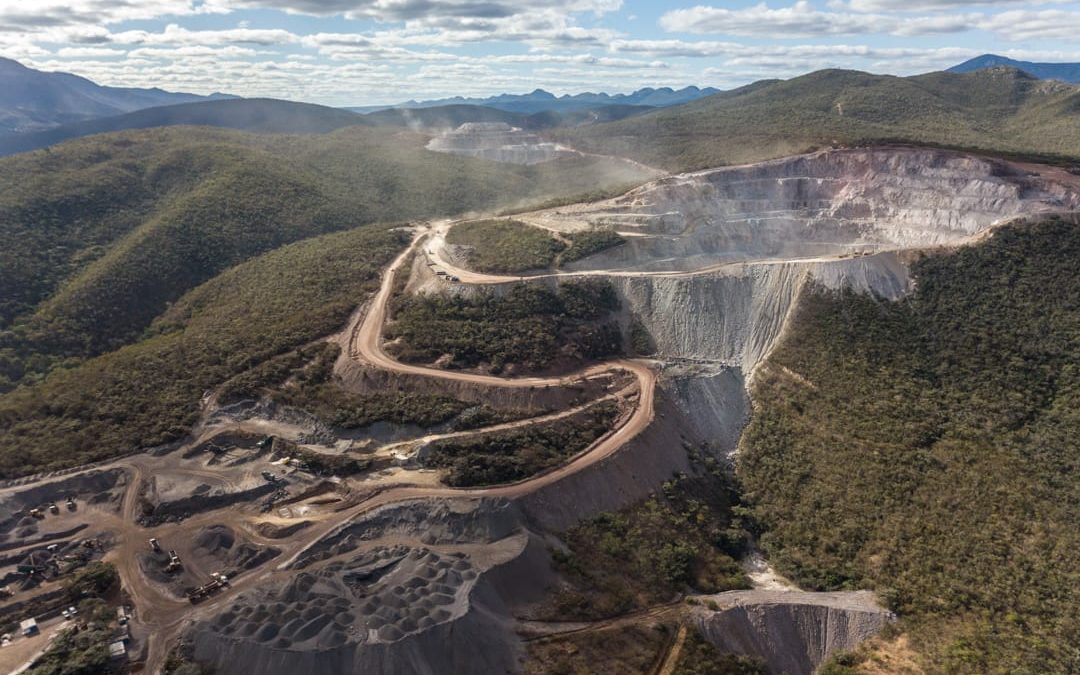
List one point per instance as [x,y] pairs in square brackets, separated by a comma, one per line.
[34,100]
[544,101]
[259,115]
[1066,72]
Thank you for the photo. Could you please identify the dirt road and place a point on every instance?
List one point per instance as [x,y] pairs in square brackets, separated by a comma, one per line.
[164,616]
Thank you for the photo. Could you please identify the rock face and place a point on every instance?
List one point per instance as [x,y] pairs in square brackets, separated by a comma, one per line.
[827,203]
[792,632]
[498,142]
[735,315]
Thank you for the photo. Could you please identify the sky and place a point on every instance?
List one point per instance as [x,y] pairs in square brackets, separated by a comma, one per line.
[364,52]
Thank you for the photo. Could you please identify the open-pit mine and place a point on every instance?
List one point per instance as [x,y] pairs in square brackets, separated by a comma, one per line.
[235,546]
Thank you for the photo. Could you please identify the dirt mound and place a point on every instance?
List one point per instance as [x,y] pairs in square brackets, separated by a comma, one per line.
[433,521]
[219,547]
[213,538]
[276,531]
[793,632]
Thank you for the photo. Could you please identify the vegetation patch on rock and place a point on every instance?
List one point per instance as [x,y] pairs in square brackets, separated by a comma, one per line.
[505,246]
[507,456]
[530,325]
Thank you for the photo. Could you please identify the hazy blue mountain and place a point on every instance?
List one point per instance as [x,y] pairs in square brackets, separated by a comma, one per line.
[246,114]
[1066,72]
[544,101]
[450,116]
[33,100]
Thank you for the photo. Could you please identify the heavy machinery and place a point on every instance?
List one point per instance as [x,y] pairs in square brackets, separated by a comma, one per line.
[154,545]
[202,592]
[174,562]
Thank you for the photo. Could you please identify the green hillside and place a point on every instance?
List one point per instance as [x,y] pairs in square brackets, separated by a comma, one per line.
[1001,110]
[99,235]
[148,393]
[928,449]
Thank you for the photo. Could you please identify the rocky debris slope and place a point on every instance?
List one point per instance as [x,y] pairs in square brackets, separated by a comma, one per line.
[370,598]
[735,315]
[498,142]
[793,632]
[97,486]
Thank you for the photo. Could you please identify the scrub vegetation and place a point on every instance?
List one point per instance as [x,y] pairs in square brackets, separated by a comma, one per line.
[927,449]
[148,393]
[505,246]
[589,242]
[303,379]
[513,247]
[628,649]
[698,657]
[529,325]
[686,538]
[507,456]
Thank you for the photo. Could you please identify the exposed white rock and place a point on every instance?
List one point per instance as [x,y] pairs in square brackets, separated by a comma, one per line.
[498,142]
[823,204]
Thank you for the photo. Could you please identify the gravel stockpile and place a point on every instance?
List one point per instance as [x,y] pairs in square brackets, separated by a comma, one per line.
[381,595]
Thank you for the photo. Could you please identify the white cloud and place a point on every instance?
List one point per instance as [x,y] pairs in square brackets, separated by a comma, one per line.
[921,5]
[173,34]
[43,15]
[89,52]
[1051,24]
[802,20]
[418,10]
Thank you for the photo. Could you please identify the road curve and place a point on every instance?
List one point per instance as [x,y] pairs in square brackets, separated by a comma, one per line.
[166,615]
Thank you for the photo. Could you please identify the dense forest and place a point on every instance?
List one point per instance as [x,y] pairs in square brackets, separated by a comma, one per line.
[928,449]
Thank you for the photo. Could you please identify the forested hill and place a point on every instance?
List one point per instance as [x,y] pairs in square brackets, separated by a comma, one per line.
[98,236]
[928,449]
[1002,110]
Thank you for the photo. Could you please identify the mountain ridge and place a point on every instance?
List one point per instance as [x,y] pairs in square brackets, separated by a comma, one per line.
[540,100]
[35,100]
[262,115]
[1000,110]
[1066,72]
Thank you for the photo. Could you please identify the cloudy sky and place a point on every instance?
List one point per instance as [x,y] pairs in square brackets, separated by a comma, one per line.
[357,52]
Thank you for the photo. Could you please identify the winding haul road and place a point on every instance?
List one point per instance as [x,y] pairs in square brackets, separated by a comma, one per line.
[163,616]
